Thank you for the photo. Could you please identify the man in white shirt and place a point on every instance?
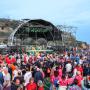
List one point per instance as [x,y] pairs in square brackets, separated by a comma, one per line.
[7,77]
[27,77]
[68,67]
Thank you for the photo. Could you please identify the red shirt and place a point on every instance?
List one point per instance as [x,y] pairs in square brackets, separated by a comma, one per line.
[60,72]
[80,69]
[63,82]
[32,86]
[1,59]
[8,60]
[25,61]
[79,78]
[70,80]
[13,60]
[41,88]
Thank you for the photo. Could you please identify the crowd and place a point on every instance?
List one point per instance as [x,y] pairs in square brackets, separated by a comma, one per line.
[67,71]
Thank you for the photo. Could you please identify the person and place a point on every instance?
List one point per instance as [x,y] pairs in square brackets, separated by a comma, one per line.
[63,83]
[44,68]
[40,85]
[10,70]
[56,79]
[1,87]
[13,59]
[1,76]
[52,86]
[20,77]
[38,75]
[74,86]
[15,85]
[31,85]
[27,76]
[1,79]
[86,83]
[77,58]
[7,79]
[60,70]
[15,72]
[81,60]
[79,78]
[70,79]
[80,69]
[68,67]
[86,70]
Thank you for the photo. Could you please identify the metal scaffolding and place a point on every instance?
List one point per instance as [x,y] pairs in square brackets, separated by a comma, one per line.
[68,34]
[34,29]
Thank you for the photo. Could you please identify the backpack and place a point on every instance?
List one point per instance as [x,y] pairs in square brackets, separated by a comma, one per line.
[56,82]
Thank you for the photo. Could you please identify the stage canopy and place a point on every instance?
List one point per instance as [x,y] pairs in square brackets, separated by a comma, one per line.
[31,31]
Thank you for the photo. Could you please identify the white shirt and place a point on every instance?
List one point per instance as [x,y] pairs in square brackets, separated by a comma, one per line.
[80,61]
[68,67]
[7,77]
[75,72]
[27,77]
[15,73]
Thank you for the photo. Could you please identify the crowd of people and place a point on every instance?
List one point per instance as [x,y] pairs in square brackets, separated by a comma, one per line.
[69,70]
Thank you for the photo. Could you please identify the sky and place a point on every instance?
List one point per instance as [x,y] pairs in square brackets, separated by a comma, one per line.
[59,12]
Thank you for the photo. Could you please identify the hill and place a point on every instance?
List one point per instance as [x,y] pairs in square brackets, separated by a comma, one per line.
[6,27]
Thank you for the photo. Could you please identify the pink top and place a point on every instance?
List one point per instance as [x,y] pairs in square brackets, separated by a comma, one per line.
[79,78]
[70,80]
[52,78]
[60,72]
[13,60]
[63,82]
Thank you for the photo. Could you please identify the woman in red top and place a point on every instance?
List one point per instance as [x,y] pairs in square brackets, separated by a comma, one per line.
[79,78]
[60,71]
[63,82]
[8,60]
[79,68]
[31,85]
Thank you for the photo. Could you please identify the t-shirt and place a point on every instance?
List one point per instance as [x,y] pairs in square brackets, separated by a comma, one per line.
[7,77]
[15,73]
[68,67]
[27,76]
[31,86]
[63,82]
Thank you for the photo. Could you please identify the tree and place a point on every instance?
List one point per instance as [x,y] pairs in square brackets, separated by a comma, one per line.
[28,41]
[42,41]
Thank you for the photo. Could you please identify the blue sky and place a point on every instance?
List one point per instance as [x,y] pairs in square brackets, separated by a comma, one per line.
[68,12]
